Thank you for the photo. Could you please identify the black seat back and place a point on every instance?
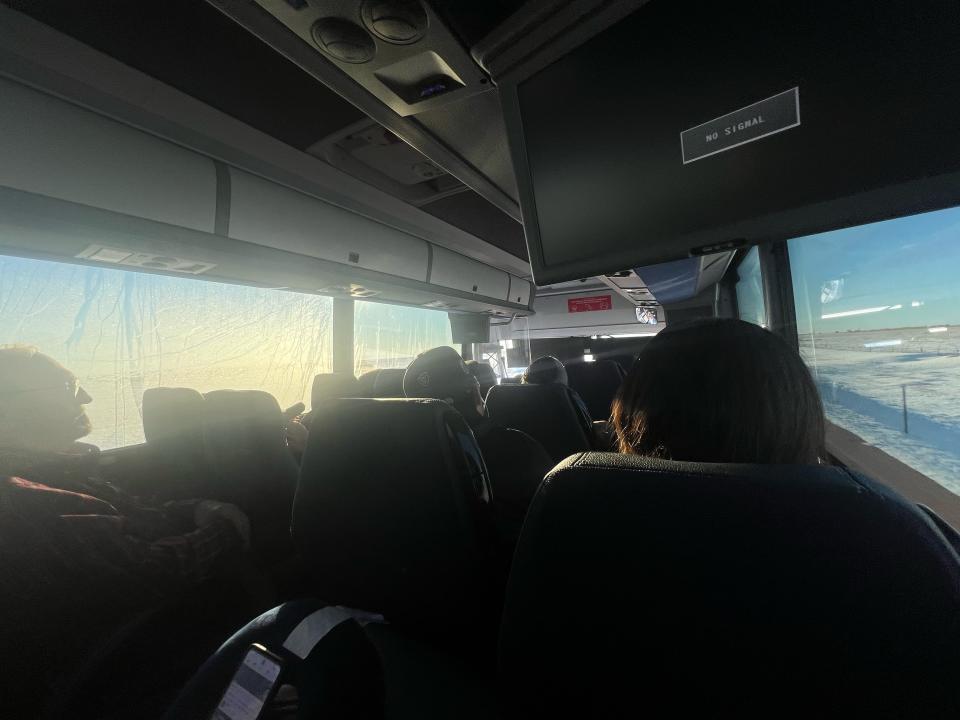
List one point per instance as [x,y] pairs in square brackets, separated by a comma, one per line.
[717,588]
[365,383]
[333,385]
[388,383]
[250,462]
[173,429]
[597,383]
[547,413]
[392,512]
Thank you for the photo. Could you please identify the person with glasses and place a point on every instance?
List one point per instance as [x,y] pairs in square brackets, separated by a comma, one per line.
[76,551]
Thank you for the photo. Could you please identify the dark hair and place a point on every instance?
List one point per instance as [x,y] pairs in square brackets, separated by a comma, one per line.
[720,391]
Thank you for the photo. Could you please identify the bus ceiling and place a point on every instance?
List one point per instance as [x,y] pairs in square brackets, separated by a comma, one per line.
[424,152]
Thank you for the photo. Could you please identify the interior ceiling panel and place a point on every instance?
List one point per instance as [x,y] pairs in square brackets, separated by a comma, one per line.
[475,127]
[191,46]
[472,20]
[470,212]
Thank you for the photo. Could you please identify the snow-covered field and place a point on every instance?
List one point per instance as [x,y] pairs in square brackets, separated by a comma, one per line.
[866,378]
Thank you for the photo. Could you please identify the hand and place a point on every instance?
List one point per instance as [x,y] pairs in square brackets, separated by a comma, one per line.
[294,411]
[297,435]
[209,511]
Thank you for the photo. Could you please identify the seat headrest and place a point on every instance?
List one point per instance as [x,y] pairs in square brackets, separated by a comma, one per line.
[392,510]
[173,421]
[545,370]
[328,386]
[549,413]
[245,442]
[720,585]
[388,383]
[365,383]
[172,413]
[242,408]
[250,462]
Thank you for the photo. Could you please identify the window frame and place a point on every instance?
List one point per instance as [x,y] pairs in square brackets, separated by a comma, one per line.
[844,447]
[727,288]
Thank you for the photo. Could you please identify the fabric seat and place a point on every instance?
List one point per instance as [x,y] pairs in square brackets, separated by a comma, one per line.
[400,524]
[597,383]
[727,591]
[365,384]
[250,463]
[333,385]
[549,413]
[403,533]
[388,383]
[173,429]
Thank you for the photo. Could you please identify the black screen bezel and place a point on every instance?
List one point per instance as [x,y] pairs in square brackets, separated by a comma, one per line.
[919,195]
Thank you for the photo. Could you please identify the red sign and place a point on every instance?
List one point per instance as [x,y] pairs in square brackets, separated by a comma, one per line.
[590,304]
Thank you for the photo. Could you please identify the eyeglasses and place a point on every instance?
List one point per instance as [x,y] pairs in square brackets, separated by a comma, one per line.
[71,386]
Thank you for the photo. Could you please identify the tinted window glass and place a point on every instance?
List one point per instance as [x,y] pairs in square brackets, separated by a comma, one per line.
[750,290]
[508,351]
[878,313]
[121,332]
[390,336]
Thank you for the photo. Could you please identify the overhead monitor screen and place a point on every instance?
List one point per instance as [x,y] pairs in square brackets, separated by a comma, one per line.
[690,125]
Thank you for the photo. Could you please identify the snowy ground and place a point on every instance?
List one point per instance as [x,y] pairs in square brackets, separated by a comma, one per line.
[864,378]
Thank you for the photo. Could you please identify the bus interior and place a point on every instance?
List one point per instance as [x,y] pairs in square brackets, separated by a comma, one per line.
[224,219]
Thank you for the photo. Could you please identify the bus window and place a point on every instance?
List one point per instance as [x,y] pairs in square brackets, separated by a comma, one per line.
[122,332]
[508,351]
[390,336]
[750,302]
[878,317]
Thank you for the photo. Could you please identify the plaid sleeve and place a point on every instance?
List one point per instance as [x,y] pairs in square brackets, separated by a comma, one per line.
[58,532]
[163,565]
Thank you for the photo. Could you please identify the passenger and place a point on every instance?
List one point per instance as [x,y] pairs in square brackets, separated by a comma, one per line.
[516,462]
[543,370]
[720,391]
[548,369]
[484,374]
[77,553]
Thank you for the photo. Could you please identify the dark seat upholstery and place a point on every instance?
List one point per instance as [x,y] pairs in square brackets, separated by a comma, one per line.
[392,513]
[173,413]
[548,413]
[250,462]
[333,385]
[484,374]
[173,429]
[388,383]
[727,591]
[365,383]
[597,383]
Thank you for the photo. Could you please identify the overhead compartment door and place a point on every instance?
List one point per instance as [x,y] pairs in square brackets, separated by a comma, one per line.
[266,213]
